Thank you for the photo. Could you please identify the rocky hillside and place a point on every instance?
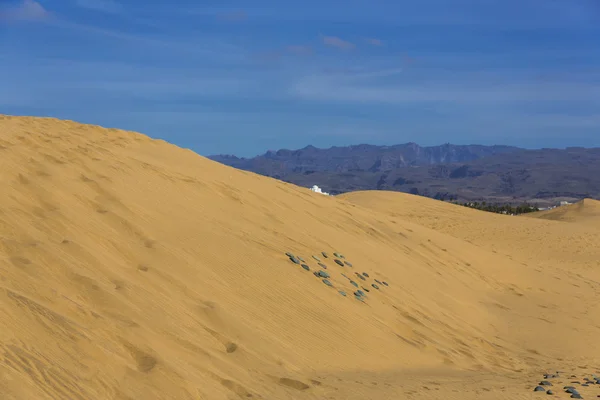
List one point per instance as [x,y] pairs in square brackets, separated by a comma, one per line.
[451,172]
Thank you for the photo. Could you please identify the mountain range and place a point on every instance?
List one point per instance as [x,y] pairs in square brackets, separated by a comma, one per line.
[500,174]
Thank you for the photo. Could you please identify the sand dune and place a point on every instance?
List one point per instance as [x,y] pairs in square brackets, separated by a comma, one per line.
[131,268]
[586,211]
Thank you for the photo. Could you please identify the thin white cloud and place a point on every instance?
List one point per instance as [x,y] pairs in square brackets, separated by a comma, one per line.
[232,16]
[335,41]
[25,10]
[106,6]
[452,89]
[300,50]
[374,42]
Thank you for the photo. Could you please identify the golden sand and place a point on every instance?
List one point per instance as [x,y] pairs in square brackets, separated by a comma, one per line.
[134,269]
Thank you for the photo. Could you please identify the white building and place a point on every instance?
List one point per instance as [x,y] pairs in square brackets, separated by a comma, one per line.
[317,189]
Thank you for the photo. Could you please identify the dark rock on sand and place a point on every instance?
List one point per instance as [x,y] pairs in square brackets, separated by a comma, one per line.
[325,281]
[549,392]
[289,254]
[365,274]
[576,396]
[375,286]
[316,258]
[347,263]
[342,293]
[539,389]
[545,383]
[338,262]
[322,265]
[385,283]
[294,260]
[354,283]
[306,267]
[322,274]
[324,254]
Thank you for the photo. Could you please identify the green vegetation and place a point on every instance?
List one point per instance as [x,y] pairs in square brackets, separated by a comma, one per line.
[501,208]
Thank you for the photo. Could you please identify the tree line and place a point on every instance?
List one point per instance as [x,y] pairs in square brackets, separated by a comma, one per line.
[501,208]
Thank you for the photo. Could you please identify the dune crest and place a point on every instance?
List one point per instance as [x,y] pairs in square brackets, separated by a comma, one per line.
[131,268]
[586,211]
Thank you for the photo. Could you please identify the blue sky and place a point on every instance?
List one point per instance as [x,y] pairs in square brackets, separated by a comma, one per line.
[239,77]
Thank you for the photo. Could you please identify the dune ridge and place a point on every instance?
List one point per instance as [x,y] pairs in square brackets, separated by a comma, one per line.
[131,268]
[586,211]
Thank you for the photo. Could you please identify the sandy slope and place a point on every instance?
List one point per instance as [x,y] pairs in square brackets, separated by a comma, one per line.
[586,211]
[130,269]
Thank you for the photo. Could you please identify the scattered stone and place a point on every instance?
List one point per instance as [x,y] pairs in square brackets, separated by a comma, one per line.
[337,255]
[576,396]
[550,376]
[306,267]
[586,384]
[361,277]
[347,263]
[301,259]
[545,383]
[577,382]
[342,293]
[360,293]
[290,255]
[325,281]
[378,281]
[569,387]
[354,283]
[375,286]
[365,274]
[316,258]
[338,262]
[539,389]
[294,260]
[322,265]
[385,283]
[549,392]
[322,274]
[324,254]
[358,298]
[571,390]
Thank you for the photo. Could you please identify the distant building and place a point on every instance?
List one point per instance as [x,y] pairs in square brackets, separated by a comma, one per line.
[317,189]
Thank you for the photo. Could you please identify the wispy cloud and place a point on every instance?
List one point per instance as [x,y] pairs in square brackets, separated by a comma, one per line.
[107,6]
[373,42]
[25,10]
[454,89]
[300,50]
[233,16]
[335,41]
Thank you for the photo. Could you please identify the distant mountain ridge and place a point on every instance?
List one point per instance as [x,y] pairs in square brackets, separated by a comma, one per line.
[363,157]
[454,172]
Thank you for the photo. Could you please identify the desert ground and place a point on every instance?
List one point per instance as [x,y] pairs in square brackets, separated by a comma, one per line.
[134,269]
